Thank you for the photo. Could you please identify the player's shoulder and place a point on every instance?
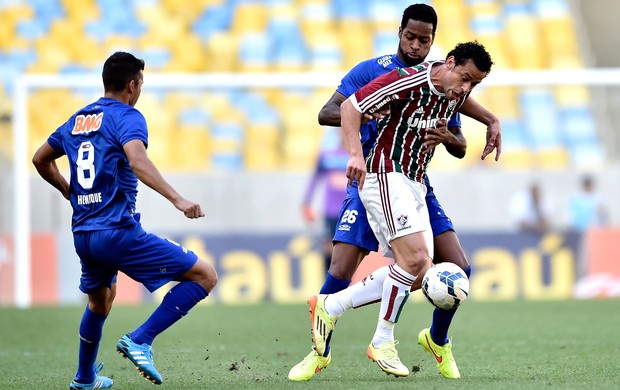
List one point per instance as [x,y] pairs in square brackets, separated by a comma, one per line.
[386,62]
[422,67]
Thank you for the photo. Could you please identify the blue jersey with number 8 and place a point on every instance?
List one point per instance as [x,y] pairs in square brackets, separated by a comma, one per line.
[103,187]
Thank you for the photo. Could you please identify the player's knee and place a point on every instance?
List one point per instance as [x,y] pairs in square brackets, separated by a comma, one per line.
[421,261]
[100,302]
[345,259]
[461,262]
[206,276]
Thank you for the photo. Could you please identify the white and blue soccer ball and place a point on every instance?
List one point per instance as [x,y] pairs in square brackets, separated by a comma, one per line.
[445,285]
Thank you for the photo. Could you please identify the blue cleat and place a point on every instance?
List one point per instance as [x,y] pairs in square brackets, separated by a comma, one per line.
[141,356]
[101,382]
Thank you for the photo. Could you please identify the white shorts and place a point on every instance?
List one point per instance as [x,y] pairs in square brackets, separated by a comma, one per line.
[396,207]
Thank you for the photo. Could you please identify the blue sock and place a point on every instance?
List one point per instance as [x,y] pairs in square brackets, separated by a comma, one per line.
[176,304]
[91,330]
[332,284]
[442,320]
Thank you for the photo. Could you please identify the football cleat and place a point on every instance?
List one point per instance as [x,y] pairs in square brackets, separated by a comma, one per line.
[322,323]
[442,354]
[141,356]
[312,363]
[100,382]
[386,357]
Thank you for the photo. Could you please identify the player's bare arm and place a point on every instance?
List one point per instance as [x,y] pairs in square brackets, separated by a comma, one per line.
[148,174]
[351,120]
[475,110]
[330,113]
[44,161]
[452,138]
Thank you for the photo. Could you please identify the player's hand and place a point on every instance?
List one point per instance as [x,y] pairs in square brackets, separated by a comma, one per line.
[190,209]
[437,135]
[308,214]
[356,170]
[377,115]
[494,141]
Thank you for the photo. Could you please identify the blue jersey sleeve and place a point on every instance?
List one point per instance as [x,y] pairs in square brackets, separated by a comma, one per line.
[55,141]
[360,75]
[455,120]
[132,126]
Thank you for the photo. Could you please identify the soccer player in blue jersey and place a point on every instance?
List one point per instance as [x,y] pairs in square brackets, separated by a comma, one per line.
[354,238]
[392,188]
[105,143]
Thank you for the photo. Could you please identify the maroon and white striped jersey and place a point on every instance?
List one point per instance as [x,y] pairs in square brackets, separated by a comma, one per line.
[414,105]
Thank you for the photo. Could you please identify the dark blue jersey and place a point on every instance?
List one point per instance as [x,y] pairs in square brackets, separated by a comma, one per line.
[103,187]
[362,74]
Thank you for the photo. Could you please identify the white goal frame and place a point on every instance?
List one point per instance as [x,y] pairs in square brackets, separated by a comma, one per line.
[26,82]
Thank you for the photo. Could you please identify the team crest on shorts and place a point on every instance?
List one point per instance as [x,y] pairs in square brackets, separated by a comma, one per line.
[402,220]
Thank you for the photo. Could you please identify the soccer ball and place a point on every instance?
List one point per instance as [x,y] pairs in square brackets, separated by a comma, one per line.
[445,285]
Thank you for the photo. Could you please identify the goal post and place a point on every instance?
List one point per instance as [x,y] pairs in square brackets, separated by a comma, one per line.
[24,85]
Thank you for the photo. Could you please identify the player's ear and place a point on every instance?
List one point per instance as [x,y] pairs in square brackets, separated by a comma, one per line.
[450,62]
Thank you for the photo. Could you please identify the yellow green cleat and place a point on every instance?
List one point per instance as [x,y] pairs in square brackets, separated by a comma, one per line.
[442,354]
[322,323]
[386,357]
[312,363]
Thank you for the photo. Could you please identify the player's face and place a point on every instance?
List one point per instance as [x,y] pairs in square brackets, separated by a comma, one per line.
[136,89]
[461,79]
[416,40]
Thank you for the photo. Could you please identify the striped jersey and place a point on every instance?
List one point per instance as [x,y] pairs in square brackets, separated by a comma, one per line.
[362,74]
[103,187]
[415,104]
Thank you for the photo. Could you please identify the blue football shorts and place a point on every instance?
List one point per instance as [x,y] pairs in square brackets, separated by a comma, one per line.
[353,227]
[144,257]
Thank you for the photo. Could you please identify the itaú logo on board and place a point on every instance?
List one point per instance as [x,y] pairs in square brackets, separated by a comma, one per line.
[85,124]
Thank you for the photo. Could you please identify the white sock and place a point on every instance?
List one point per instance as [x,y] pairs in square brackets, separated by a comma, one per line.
[367,290]
[383,333]
[395,293]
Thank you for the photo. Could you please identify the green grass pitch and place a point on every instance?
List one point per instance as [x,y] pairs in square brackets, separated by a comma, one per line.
[499,345]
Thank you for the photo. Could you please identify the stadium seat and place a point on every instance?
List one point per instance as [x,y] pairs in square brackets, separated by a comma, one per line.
[188,55]
[540,118]
[553,158]
[301,35]
[249,17]
[289,49]
[255,52]
[356,41]
[523,36]
[384,15]
[213,19]
[222,53]
[261,150]
[384,42]
[578,126]
[571,95]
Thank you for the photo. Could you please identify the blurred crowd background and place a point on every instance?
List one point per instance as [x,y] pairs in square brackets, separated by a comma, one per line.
[207,130]
[247,152]
[276,129]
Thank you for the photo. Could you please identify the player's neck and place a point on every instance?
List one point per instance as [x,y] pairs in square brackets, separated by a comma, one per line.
[120,96]
[437,72]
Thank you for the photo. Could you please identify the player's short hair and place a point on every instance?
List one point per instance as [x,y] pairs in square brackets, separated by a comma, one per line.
[420,12]
[473,51]
[119,69]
